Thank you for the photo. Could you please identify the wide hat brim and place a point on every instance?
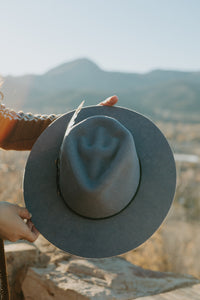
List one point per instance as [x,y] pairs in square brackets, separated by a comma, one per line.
[119,233]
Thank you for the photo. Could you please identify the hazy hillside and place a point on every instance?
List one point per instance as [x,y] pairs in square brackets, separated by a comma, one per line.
[160,94]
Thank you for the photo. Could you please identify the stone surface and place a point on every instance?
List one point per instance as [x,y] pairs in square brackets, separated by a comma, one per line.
[185,293]
[19,256]
[98,279]
[49,273]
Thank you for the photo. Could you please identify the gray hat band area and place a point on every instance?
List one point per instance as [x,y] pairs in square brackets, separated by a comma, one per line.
[99,169]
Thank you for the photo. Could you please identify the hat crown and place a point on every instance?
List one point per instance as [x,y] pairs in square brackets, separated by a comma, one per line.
[99,169]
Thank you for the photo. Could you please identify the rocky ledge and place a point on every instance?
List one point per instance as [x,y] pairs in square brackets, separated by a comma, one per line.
[34,274]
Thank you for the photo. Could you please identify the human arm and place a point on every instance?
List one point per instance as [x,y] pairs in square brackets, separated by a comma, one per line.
[19,131]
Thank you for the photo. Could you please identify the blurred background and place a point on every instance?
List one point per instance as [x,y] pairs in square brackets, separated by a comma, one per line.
[54,54]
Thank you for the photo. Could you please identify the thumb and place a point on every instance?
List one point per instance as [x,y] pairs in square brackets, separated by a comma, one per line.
[24,213]
[110,101]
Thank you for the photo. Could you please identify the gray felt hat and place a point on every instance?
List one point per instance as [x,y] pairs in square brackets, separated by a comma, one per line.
[101,186]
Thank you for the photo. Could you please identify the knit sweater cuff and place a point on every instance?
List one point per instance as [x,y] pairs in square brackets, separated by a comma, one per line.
[19,131]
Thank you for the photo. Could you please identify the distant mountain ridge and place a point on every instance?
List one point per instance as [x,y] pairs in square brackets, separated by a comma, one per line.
[160,94]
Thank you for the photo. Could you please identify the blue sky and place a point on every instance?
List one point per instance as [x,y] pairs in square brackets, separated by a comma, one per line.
[125,35]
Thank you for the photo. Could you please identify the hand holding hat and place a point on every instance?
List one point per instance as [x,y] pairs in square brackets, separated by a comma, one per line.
[12,226]
[101,186]
[20,130]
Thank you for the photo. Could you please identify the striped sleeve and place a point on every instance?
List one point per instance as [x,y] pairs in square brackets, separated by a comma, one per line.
[19,131]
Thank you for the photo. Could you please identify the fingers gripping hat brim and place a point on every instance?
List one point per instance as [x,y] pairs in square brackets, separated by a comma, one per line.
[117,234]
